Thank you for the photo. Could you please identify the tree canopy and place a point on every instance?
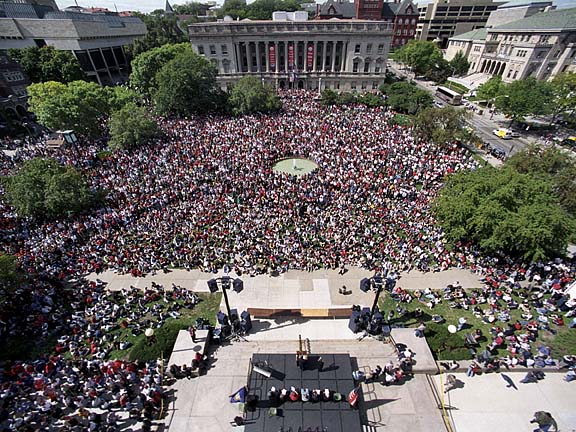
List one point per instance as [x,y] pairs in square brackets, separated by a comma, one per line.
[512,209]
[420,56]
[525,97]
[146,66]
[187,85]
[563,88]
[249,95]
[79,105]
[44,189]
[405,97]
[162,29]
[130,126]
[47,64]
[459,64]
[441,125]
[492,88]
[258,9]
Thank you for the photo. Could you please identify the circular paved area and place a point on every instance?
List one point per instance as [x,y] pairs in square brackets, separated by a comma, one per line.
[295,166]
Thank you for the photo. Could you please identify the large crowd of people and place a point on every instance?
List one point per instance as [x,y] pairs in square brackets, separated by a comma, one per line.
[203,196]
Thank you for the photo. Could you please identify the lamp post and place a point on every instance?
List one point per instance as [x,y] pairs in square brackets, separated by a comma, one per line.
[494,100]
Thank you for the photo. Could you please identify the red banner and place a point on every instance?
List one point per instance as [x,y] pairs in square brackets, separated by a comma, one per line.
[290,55]
[310,56]
[272,55]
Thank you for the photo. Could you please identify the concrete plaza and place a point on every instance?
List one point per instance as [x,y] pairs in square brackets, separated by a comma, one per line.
[483,403]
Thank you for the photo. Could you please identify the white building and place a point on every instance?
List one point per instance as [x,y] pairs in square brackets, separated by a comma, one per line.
[96,39]
[541,46]
[441,19]
[290,51]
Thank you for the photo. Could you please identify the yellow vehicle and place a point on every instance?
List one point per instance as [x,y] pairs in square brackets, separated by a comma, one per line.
[505,133]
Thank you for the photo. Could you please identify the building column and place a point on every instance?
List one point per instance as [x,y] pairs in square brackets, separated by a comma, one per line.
[107,66]
[267,49]
[237,63]
[334,44]
[94,67]
[286,56]
[345,57]
[323,56]
[249,56]
[258,59]
[315,56]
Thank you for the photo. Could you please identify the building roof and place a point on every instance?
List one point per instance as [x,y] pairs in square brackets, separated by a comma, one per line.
[342,8]
[478,34]
[524,3]
[559,19]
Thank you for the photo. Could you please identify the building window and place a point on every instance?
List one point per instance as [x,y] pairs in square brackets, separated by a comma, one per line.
[353,85]
[357,49]
[212,49]
[381,49]
[378,67]
[226,66]
[400,21]
[374,85]
[369,48]
[224,49]
[337,85]
[355,66]
[367,67]
[413,21]
[515,74]
[363,85]
[200,50]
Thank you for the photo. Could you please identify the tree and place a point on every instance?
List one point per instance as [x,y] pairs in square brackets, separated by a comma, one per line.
[190,8]
[491,89]
[503,210]
[442,125]
[79,105]
[249,95]
[563,88]
[47,64]
[525,97]
[187,85]
[146,66]
[439,72]
[420,56]
[162,29]
[257,10]
[406,97]
[551,163]
[45,190]
[459,64]
[119,96]
[130,126]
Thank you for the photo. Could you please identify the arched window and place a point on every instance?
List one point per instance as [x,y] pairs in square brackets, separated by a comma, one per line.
[400,21]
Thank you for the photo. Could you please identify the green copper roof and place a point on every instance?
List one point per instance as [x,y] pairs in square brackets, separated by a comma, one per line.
[553,20]
[478,34]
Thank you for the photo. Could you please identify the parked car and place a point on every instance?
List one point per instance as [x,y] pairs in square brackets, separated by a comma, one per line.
[496,151]
[505,133]
[438,104]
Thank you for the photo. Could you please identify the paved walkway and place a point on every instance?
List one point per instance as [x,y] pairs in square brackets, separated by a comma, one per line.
[294,289]
[484,403]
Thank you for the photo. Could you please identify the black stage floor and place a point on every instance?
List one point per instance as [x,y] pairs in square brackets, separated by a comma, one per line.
[303,416]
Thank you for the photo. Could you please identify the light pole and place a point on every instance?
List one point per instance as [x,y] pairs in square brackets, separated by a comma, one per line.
[492,103]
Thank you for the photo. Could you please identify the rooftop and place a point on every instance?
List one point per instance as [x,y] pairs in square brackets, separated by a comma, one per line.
[478,34]
[559,19]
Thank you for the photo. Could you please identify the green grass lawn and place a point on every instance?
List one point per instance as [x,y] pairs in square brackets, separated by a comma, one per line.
[26,347]
[563,343]
[456,87]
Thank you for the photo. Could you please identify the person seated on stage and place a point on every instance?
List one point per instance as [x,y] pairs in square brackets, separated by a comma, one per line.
[283,395]
[374,374]
[326,395]
[273,394]
[358,375]
[294,395]
[315,396]
[305,394]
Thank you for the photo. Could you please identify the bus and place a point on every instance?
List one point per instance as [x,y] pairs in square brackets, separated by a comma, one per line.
[449,96]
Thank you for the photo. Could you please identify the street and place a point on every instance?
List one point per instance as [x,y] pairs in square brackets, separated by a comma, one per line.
[482,124]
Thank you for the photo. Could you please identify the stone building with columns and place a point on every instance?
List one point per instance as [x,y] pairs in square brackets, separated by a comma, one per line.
[289,51]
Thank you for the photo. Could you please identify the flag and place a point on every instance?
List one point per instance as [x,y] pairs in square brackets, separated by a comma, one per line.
[239,396]
[353,396]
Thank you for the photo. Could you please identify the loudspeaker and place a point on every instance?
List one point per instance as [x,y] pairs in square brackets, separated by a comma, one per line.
[354,322]
[226,282]
[246,322]
[222,318]
[238,285]
[234,315]
[213,285]
[377,280]
[365,285]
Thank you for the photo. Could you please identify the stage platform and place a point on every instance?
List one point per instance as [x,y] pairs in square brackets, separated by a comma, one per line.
[332,416]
